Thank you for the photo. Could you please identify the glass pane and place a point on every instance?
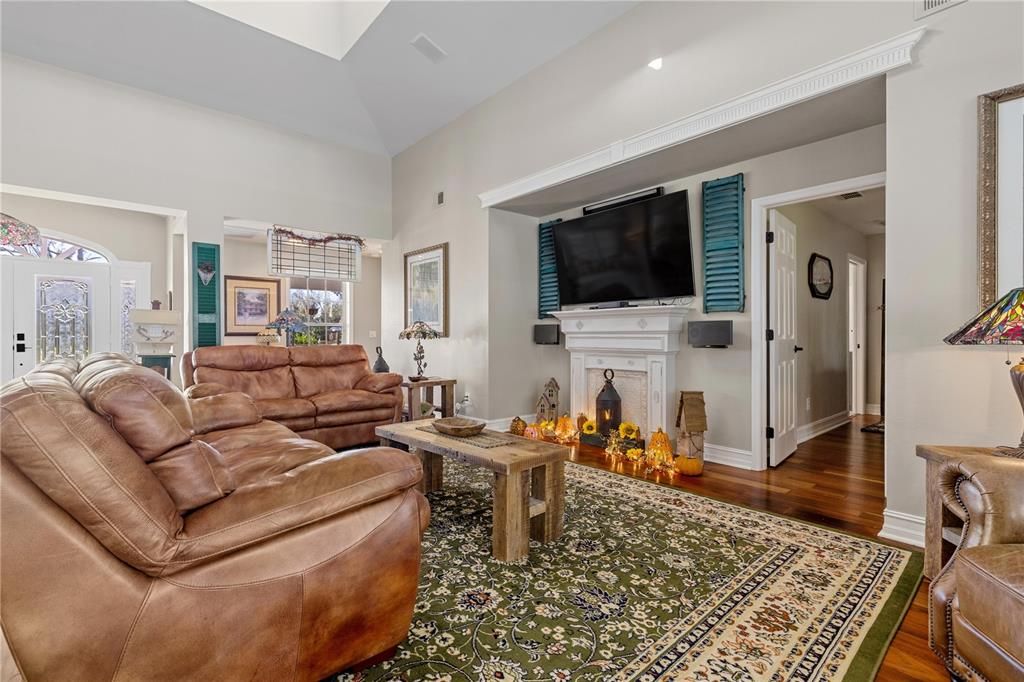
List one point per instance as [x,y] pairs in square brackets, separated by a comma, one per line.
[56,249]
[127,329]
[318,306]
[64,314]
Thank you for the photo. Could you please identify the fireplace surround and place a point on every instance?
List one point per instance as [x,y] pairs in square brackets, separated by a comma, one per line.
[640,343]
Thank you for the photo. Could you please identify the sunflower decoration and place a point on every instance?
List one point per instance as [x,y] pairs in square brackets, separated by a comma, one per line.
[635,454]
[590,427]
[629,431]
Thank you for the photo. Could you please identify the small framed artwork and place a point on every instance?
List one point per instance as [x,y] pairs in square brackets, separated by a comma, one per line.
[426,287]
[819,276]
[251,303]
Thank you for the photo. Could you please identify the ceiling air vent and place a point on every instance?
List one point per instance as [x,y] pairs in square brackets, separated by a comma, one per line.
[428,48]
[926,8]
[850,195]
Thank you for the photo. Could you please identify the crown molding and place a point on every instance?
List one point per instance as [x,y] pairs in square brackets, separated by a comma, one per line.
[857,66]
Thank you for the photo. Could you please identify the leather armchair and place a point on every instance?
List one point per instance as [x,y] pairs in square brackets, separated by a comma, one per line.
[325,393]
[148,536]
[976,606]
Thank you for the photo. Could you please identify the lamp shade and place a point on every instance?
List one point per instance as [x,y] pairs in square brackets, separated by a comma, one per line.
[1001,324]
[419,330]
[14,232]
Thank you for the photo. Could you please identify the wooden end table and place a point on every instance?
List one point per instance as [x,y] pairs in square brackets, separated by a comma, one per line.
[942,527]
[417,392]
[529,481]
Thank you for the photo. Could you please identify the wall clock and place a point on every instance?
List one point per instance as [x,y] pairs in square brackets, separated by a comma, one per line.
[819,276]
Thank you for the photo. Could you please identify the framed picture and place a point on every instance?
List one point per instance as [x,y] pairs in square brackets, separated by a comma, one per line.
[819,276]
[1000,192]
[251,303]
[426,287]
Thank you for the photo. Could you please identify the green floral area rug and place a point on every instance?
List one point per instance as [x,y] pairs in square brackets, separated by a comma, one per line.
[647,583]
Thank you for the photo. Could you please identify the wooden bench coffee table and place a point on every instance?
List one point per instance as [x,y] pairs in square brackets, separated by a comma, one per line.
[529,481]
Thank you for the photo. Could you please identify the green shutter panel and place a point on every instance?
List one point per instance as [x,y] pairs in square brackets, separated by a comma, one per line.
[205,297]
[723,244]
[547,270]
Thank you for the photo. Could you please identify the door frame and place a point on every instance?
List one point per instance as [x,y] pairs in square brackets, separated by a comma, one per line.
[858,377]
[759,301]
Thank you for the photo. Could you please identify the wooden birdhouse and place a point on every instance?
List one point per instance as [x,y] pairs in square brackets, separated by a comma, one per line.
[547,403]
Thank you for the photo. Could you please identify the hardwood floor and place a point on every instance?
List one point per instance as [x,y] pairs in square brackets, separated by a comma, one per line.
[836,480]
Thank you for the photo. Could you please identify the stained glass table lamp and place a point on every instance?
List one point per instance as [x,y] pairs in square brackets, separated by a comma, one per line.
[1001,324]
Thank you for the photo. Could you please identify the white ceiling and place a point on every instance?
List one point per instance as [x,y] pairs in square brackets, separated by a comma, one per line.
[382,96]
[866,213]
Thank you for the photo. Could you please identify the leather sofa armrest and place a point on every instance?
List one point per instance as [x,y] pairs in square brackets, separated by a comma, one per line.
[205,390]
[223,411]
[987,494]
[379,383]
[315,491]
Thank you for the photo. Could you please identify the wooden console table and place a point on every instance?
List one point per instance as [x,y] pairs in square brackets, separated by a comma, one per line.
[942,527]
[418,392]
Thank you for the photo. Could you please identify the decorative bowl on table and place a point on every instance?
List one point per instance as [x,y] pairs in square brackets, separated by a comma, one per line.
[459,426]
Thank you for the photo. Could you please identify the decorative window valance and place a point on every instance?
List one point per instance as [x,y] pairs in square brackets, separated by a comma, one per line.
[292,253]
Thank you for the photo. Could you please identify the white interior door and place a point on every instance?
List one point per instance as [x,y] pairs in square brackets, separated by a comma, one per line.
[782,320]
[55,308]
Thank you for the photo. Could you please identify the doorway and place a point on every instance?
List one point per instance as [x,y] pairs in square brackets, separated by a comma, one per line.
[790,406]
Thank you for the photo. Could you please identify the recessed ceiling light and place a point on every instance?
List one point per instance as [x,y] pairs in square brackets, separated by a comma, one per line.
[655,64]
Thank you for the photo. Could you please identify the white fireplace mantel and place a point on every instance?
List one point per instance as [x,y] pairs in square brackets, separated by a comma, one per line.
[641,341]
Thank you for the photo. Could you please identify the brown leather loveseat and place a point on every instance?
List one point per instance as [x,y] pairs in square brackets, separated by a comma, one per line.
[977,600]
[325,393]
[149,537]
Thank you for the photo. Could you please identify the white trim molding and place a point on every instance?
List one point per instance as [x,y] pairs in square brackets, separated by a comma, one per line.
[852,68]
[734,457]
[757,303]
[824,425]
[902,527]
[873,408]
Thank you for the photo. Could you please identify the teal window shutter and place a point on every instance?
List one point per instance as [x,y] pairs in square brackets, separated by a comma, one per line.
[722,202]
[205,296]
[547,270]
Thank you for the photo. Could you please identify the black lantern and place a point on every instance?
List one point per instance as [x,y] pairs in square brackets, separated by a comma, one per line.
[609,406]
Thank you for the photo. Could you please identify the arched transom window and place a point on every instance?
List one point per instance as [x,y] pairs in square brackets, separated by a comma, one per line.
[54,248]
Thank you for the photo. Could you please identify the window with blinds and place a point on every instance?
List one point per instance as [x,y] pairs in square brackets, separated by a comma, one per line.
[547,270]
[722,202]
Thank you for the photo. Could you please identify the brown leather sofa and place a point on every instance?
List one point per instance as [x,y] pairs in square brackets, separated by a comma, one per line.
[325,393]
[149,537]
[977,600]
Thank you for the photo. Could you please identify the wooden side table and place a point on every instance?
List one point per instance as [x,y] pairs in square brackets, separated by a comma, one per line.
[942,527]
[418,392]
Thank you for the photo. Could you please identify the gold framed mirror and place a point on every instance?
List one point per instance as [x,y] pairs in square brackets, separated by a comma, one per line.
[1000,192]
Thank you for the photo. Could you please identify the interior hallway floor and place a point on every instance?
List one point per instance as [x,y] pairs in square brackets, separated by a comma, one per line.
[836,480]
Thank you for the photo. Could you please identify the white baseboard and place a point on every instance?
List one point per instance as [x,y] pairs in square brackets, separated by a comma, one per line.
[734,457]
[809,431]
[873,408]
[902,527]
[504,423]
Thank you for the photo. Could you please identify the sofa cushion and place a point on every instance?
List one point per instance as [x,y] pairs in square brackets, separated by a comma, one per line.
[262,450]
[351,400]
[990,590]
[325,356]
[311,381]
[259,384]
[285,408]
[379,383]
[193,474]
[241,358]
[298,424]
[149,412]
[374,416]
[223,411]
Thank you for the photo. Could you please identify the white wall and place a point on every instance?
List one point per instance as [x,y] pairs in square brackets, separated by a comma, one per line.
[823,380]
[600,91]
[129,235]
[366,311]
[876,273]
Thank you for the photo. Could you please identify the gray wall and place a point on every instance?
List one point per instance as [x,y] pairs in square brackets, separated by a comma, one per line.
[823,380]
[876,273]
[366,311]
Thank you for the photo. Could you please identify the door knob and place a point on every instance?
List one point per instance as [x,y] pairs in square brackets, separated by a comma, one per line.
[797,349]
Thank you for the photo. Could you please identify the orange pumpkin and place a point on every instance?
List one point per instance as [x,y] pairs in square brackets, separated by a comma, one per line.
[659,450]
[690,461]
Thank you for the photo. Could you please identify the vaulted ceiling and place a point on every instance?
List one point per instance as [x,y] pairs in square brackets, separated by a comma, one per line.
[382,95]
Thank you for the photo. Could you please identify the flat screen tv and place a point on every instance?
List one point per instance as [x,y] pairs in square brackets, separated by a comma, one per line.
[640,251]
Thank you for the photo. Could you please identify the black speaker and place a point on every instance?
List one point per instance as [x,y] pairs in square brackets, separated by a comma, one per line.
[546,334]
[709,334]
